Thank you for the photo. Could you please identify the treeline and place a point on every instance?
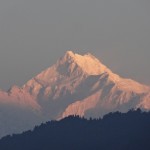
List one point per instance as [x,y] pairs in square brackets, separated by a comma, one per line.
[115,131]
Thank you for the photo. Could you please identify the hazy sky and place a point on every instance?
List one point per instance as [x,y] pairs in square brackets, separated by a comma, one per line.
[35,33]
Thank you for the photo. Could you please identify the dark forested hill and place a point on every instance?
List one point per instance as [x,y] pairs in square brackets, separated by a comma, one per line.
[116,131]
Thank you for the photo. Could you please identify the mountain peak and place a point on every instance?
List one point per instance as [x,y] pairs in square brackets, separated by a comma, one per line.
[70,53]
[70,65]
[76,55]
[87,62]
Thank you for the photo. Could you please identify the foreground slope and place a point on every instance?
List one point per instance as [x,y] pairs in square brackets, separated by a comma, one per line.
[116,131]
[75,85]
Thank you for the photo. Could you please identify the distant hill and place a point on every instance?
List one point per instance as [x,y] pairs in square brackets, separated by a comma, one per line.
[116,131]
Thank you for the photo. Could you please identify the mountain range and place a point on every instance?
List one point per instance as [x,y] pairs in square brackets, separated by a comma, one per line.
[75,85]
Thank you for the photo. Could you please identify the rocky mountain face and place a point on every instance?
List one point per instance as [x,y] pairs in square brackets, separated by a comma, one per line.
[75,85]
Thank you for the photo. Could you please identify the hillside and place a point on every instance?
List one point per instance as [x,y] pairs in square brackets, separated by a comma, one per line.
[116,131]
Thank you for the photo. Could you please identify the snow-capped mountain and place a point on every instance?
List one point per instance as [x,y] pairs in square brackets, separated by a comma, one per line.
[75,85]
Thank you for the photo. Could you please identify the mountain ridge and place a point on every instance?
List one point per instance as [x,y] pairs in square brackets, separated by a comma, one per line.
[76,85]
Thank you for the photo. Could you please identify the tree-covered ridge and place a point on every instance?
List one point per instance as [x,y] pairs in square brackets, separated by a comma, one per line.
[115,131]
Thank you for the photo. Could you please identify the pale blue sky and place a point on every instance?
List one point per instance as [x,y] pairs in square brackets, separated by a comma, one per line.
[35,33]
